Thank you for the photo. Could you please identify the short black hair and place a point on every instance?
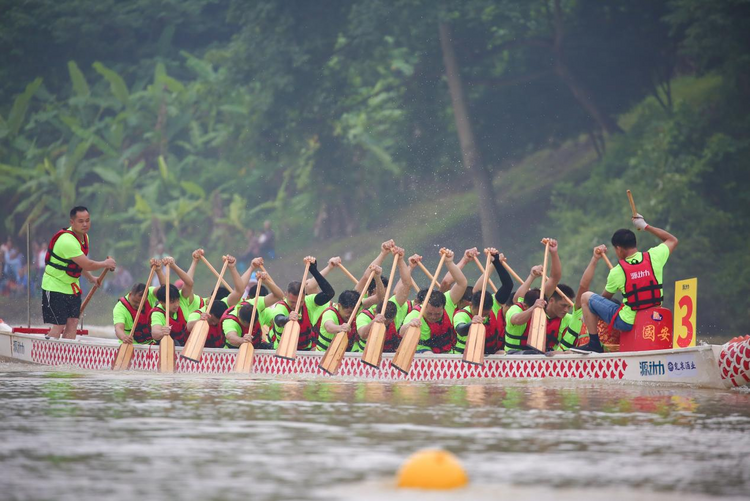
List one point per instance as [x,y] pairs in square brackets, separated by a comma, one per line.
[221,294]
[263,290]
[348,299]
[294,287]
[75,210]
[469,295]
[391,310]
[477,297]
[137,289]
[371,287]
[246,312]
[566,289]
[624,238]
[174,293]
[510,301]
[437,299]
[422,294]
[531,296]
[218,308]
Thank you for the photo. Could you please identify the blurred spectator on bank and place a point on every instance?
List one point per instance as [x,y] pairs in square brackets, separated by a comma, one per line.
[267,242]
[120,283]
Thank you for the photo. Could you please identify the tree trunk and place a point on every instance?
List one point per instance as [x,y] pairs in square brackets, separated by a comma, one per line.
[580,93]
[472,159]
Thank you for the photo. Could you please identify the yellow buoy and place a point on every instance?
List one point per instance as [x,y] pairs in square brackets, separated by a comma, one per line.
[432,469]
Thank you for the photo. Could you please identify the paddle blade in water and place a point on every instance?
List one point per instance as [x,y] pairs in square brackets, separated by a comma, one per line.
[245,358]
[289,338]
[334,354]
[193,349]
[474,350]
[373,352]
[166,355]
[538,330]
[123,358]
[406,349]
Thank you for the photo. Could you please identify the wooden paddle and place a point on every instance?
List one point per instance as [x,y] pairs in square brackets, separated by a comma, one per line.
[346,272]
[520,280]
[334,355]
[538,329]
[94,288]
[193,349]
[474,348]
[482,268]
[606,260]
[125,351]
[404,356]
[246,355]
[166,344]
[216,273]
[373,352]
[290,335]
[632,204]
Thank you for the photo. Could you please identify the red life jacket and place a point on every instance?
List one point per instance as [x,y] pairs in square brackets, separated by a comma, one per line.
[307,333]
[642,291]
[177,326]
[229,314]
[392,339]
[491,342]
[498,343]
[515,342]
[141,330]
[553,330]
[442,336]
[70,267]
[215,337]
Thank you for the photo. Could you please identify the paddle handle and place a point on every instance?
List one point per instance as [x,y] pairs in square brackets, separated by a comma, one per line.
[390,283]
[361,296]
[144,297]
[482,269]
[606,260]
[432,286]
[520,280]
[544,269]
[302,289]
[166,296]
[632,204]
[94,288]
[346,272]
[426,271]
[216,273]
[255,304]
[216,287]
[485,279]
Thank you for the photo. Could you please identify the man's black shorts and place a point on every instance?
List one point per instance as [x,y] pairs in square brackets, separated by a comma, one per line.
[57,307]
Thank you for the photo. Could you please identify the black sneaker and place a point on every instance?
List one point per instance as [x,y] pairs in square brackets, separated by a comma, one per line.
[594,345]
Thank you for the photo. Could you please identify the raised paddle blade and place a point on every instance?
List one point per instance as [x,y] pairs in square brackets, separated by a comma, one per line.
[406,350]
[289,339]
[245,357]
[373,352]
[193,349]
[474,350]
[334,355]
[166,355]
[124,357]
[538,330]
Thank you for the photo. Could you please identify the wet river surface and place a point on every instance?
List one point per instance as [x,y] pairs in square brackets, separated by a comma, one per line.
[97,435]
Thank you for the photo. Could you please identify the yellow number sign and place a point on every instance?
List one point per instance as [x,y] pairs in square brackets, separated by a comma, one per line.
[685,306]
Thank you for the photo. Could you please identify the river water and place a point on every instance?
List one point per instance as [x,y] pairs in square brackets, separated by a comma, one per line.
[80,435]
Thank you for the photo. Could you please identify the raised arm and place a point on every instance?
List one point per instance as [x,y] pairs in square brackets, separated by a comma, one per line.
[536,272]
[403,287]
[187,288]
[506,281]
[326,291]
[663,235]
[458,289]
[236,294]
[156,264]
[588,274]
[197,253]
[275,294]
[448,279]
[312,286]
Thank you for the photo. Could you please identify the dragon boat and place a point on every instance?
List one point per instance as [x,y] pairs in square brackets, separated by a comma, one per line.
[709,366]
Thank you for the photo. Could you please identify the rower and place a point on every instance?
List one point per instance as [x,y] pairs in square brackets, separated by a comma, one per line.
[436,330]
[178,324]
[447,282]
[334,318]
[637,275]
[501,302]
[66,260]
[518,317]
[235,322]
[311,309]
[395,311]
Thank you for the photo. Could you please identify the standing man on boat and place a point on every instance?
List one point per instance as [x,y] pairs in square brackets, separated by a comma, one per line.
[637,275]
[66,260]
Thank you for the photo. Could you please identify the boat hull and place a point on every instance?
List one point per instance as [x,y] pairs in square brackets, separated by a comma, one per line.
[710,366]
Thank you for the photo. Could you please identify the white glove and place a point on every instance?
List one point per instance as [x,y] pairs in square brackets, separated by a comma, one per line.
[639,222]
